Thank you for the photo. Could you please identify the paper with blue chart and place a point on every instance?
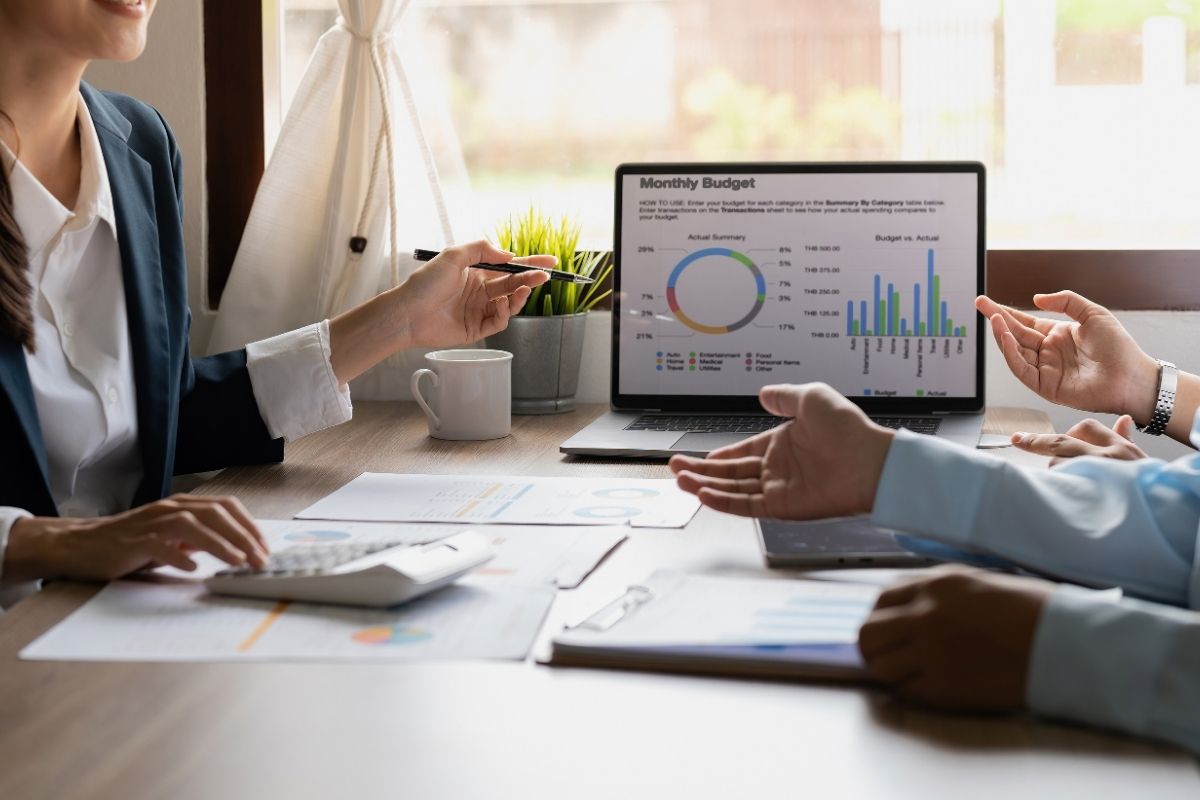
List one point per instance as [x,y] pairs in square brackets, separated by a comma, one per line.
[146,621]
[495,612]
[483,499]
[718,623]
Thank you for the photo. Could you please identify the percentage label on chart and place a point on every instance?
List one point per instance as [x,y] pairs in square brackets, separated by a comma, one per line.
[785,250]
[642,336]
[786,326]
[645,249]
[785,284]
[647,296]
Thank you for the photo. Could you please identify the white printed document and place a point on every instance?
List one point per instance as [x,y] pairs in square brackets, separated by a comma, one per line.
[525,554]
[376,496]
[707,623]
[143,621]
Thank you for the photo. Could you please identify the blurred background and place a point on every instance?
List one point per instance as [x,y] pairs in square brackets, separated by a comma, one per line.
[1086,112]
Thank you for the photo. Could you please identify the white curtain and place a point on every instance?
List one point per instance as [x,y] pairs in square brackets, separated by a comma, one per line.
[352,160]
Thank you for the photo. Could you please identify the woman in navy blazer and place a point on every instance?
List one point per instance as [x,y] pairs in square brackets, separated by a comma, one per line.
[193,414]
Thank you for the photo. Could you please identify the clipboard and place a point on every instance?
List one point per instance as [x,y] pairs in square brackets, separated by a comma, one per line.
[761,627]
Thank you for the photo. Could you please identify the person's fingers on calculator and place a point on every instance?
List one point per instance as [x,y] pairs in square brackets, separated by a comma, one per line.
[743,505]
[235,509]
[214,516]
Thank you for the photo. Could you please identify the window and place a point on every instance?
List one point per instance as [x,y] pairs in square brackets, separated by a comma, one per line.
[1087,112]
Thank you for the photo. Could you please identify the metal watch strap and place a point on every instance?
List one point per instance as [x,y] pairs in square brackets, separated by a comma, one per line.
[1164,404]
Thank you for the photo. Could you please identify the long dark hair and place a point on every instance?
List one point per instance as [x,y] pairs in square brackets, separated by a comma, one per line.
[16,310]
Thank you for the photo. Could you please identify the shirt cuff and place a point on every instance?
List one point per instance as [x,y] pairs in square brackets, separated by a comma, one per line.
[1076,673]
[930,487]
[10,593]
[294,384]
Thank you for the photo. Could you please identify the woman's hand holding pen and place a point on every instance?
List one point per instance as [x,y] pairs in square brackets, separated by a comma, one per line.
[445,303]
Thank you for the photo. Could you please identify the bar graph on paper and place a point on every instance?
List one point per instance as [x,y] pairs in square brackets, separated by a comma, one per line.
[893,311]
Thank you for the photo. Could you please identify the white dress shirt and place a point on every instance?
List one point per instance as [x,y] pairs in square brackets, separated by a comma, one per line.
[82,368]
[1130,665]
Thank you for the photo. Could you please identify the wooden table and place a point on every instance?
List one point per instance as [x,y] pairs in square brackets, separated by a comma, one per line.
[496,730]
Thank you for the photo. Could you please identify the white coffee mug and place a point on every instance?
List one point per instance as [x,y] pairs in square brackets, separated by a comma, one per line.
[471,395]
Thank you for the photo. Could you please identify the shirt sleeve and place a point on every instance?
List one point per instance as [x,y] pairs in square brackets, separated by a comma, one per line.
[11,592]
[1147,686]
[294,383]
[1095,521]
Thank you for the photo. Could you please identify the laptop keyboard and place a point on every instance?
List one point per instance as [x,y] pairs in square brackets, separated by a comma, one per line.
[687,423]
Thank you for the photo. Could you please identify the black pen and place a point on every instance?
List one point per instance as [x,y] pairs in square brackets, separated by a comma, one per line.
[555,274]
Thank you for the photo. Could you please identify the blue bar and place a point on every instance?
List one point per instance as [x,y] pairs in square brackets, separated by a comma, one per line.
[942,327]
[890,300]
[904,327]
[929,292]
[849,317]
[862,315]
[916,309]
[875,319]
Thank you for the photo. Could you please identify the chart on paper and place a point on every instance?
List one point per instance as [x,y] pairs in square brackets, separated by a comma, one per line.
[863,281]
[136,621]
[496,500]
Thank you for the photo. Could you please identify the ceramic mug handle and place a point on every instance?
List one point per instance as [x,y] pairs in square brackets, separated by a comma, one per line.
[415,384]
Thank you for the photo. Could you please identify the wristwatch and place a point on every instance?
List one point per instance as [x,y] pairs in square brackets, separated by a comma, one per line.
[1164,405]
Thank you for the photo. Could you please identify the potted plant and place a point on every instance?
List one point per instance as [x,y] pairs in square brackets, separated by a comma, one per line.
[546,338]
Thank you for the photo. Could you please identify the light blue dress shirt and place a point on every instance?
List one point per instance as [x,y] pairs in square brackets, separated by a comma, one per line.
[1131,665]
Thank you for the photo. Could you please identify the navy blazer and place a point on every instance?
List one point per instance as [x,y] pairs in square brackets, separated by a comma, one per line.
[193,414]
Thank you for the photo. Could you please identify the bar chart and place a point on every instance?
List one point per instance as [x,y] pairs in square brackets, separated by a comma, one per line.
[882,315]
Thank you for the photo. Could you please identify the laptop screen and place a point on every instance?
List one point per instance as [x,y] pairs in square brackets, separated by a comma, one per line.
[730,277]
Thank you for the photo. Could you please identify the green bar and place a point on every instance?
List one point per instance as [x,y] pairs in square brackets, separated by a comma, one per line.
[949,327]
[962,330]
[937,305]
[854,328]
[895,313]
[922,329]
[880,325]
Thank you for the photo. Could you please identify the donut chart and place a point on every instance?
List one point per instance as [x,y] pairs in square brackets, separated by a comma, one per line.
[607,512]
[738,259]
[391,634]
[630,493]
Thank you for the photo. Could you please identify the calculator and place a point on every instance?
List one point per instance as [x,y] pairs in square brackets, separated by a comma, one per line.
[376,573]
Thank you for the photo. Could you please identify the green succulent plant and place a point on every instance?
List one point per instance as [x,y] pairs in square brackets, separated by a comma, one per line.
[535,233]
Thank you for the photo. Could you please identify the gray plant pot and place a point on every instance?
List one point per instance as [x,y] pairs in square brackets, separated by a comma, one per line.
[545,366]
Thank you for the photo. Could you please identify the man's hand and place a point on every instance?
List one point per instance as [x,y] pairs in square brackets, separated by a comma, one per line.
[956,639]
[824,462]
[1090,363]
[1088,438]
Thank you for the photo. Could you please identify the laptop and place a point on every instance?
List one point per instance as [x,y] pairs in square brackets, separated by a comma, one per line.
[730,277]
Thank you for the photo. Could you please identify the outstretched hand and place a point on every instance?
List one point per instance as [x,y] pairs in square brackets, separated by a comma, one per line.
[1088,438]
[824,461]
[1090,362]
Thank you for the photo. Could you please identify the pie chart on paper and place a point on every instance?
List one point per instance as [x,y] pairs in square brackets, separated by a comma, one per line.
[391,634]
